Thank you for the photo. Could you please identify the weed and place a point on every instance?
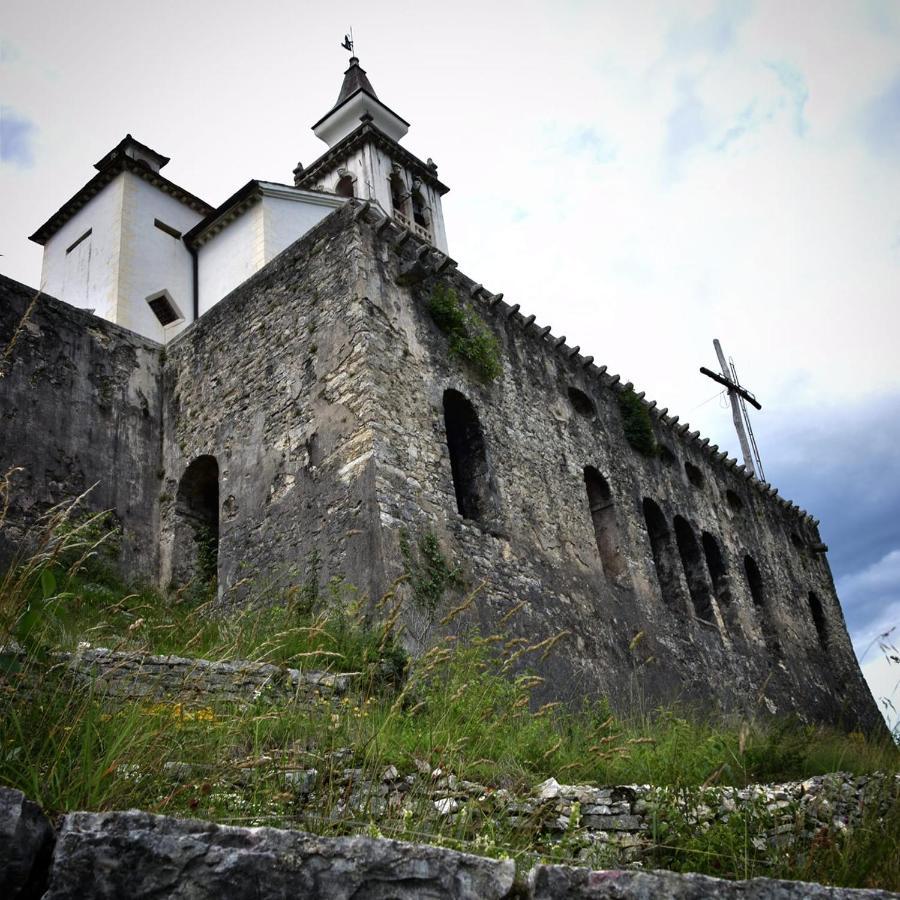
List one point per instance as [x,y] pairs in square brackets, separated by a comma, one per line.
[637,423]
[469,338]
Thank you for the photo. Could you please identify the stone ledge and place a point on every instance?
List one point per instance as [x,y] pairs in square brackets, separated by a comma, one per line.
[138,855]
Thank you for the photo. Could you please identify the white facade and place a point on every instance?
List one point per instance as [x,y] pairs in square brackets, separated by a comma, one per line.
[144,253]
[122,257]
[278,216]
[154,260]
[81,261]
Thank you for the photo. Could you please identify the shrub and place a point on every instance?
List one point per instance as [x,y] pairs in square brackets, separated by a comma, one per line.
[469,338]
[637,424]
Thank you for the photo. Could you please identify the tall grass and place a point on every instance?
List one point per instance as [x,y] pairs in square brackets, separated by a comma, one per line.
[458,708]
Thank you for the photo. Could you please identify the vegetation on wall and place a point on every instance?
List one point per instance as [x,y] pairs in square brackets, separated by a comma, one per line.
[470,339]
[637,423]
[426,567]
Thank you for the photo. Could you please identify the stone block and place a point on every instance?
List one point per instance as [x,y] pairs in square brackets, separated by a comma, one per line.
[137,855]
[26,842]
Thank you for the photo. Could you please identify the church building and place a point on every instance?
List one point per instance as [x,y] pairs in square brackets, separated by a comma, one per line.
[143,252]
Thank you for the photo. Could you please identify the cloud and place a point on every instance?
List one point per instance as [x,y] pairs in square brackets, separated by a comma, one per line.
[792,79]
[873,593]
[687,126]
[590,143]
[16,139]
[880,122]
[715,33]
[841,463]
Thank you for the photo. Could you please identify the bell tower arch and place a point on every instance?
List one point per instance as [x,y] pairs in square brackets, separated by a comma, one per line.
[363,136]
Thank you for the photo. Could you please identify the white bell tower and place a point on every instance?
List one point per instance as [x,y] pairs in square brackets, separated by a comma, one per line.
[364,159]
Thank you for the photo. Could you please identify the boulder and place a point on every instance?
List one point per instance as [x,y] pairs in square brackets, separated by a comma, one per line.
[26,843]
[138,855]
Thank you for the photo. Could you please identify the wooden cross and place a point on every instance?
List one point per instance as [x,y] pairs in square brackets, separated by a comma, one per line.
[739,397]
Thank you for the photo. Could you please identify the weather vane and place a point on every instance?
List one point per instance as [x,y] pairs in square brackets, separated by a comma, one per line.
[348,42]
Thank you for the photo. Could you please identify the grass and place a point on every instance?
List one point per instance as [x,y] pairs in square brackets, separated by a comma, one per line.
[459,708]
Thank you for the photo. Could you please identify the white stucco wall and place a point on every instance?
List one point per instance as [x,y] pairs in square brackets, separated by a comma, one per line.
[153,260]
[285,220]
[88,276]
[230,257]
[277,219]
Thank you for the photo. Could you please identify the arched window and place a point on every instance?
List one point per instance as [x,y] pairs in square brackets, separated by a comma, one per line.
[344,186]
[664,559]
[581,403]
[819,620]
[715,563]
[475,495]
[197,522]
[695,476]
[694,570]
[760,602]
[603,515]
[420,210]
[398,194]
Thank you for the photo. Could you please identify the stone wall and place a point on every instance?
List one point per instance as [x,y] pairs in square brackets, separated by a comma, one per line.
[272,382]
[139,855]
[80,405]
[131,676]
[633,630]
[311,403]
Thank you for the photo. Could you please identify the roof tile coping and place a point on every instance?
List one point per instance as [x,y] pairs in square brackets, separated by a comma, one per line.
[570,355]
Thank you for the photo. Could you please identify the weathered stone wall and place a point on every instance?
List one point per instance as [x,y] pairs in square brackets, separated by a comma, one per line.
[624,640]
[313,397]
[140,855]
[273,383]
[122,675]
[80,404]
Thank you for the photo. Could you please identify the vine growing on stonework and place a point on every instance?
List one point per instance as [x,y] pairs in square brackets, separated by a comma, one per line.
[469,338]
[637,423]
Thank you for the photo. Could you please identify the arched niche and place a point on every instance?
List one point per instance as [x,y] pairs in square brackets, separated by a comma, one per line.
[196,550]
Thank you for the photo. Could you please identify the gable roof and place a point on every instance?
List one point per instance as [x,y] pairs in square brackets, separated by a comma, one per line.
[115,162]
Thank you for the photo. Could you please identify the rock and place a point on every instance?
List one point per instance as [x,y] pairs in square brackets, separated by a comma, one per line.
[446,805]
[26,843]
[390,774]
[558,882]
[138,855]
[547,790]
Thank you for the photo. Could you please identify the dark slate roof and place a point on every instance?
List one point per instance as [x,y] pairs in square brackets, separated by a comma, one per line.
[129,141]
[368,132]
[354,80]
[113,163]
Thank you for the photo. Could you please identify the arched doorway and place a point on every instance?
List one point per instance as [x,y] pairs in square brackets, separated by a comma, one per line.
[196,552]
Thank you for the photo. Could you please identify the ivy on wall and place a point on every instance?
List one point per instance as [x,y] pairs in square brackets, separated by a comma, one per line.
[470,339]
[637,424]
[429,572]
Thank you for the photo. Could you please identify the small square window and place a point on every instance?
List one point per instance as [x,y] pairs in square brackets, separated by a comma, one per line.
[164,308]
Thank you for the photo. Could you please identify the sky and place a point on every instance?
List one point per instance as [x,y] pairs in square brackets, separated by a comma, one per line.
[643,177]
